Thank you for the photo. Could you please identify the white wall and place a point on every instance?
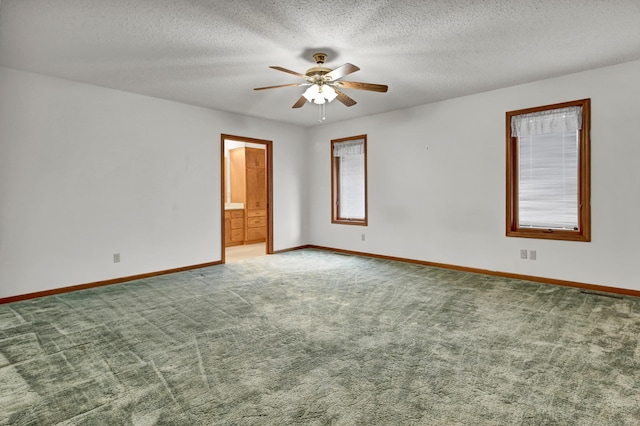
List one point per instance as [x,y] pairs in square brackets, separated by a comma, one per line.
[86,172]
[437,182]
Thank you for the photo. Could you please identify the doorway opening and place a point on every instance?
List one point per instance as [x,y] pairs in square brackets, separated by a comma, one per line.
[247,219]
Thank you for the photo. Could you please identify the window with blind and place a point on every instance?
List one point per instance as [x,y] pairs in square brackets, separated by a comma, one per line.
[548,172]
[349,180]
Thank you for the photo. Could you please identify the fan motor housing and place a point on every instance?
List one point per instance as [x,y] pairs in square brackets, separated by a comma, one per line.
[318,70]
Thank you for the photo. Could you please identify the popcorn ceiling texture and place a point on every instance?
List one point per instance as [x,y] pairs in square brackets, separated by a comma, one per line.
[212,53]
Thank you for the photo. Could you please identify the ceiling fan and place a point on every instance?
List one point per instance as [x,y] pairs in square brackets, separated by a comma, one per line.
[325,84]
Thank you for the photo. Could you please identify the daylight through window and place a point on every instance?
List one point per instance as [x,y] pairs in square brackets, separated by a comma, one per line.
[548,172]
[349,167]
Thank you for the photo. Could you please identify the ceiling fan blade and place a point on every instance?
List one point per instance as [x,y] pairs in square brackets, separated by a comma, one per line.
[300,102]
[345,99]
[342,70]
[288,71]
[280,85]
[363,86]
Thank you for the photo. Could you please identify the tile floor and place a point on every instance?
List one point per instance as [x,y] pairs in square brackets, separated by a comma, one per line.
[235,253]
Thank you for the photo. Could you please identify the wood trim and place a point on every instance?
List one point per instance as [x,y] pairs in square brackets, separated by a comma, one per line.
[543,280]
[585,168]
[120,280]
[583,234]
[269,243]
[269,172]
[292,249]
[223,199]
[335,169]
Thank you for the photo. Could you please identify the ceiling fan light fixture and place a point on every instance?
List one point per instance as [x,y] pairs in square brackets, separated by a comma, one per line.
[324,84]
[311,93]
[329,93]
[320,94]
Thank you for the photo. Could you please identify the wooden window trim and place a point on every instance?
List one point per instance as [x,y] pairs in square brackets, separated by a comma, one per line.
[583,233]
[335,169]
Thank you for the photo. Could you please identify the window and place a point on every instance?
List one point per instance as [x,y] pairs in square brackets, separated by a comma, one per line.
[349,180]
[548,172]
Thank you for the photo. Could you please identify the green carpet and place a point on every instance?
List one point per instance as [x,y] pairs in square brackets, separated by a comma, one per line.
[317,338]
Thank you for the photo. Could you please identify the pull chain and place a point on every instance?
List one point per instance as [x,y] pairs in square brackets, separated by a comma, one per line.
[321,112]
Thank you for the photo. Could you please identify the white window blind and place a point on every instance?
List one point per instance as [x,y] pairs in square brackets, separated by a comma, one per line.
[548,167]
[351,179]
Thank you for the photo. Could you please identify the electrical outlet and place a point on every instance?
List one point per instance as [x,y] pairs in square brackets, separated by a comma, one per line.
[523,253]
[362,237]
[116,257]
[532,254]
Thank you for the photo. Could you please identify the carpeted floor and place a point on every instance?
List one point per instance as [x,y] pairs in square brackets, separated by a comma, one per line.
[317,338]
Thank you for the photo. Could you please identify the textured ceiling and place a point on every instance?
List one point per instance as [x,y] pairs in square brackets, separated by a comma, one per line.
[212,53]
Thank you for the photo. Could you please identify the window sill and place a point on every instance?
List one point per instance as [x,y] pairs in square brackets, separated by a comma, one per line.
[549,234]
[357,222]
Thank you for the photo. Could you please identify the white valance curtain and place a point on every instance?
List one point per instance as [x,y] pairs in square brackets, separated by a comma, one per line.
[352,147]
[561,120]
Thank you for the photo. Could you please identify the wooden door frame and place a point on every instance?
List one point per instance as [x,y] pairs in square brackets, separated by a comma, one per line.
[269,153]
